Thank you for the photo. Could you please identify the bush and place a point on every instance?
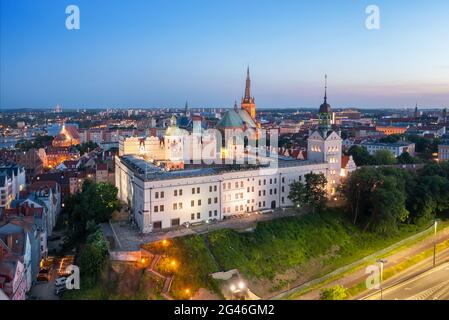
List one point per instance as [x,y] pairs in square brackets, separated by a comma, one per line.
[334,293]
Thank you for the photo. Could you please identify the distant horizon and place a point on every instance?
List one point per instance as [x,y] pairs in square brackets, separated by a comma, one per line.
[66,109]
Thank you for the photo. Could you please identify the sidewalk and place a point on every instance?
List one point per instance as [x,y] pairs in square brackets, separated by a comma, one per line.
[128,238]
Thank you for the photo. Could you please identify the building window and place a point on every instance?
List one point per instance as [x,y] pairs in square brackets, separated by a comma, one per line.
[241,184]
[198,190]
[275,191]
[209,201]
[156,195]
[175,222]
[199,202]
[192,203]
[198,215]
[215,213]
[156,208]
[175,193]
[192,216]
[161,208]
[180,192]
[224,186]
[210,188]
[271,191]
[275,180]
[215,188]
[210,213]
[271,181]
[180,205]
[157,225]
[215,200]
[162,194]
[175,206]
[193,190]
[283,180]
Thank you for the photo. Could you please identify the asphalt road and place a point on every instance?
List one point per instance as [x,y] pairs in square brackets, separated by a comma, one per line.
[430,285]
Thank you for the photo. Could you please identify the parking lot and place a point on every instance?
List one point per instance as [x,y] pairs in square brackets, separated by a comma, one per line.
[53,267]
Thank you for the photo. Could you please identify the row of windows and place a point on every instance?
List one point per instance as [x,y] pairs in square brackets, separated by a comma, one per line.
[197,190]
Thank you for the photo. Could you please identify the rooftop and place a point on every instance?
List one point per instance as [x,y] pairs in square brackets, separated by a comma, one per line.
[149,171]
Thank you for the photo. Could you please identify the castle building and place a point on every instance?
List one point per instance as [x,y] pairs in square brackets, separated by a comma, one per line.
[325,145]
[169,193]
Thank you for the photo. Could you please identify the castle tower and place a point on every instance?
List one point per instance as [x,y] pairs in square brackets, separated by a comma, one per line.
[248,102]
[325,113]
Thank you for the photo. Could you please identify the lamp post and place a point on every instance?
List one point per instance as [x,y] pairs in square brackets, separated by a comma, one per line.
[382,262]
[435,242]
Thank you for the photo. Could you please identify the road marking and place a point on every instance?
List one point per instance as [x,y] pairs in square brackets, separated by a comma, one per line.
[429,292]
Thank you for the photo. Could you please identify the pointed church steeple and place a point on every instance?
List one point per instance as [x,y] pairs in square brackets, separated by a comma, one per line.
[248,103]
[248,86]
[325,88]
[186,108]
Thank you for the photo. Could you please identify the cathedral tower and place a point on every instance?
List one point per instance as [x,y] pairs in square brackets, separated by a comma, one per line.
[248,102]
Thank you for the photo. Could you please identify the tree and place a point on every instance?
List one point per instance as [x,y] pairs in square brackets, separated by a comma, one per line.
[377,198]
[315,190]
[312,193]
[384,157]
[392,138]
[337,292]
[360,155]
[94,205]
[297,193]
[406,158]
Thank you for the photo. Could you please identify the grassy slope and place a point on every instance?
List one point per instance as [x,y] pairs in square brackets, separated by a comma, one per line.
[273,248]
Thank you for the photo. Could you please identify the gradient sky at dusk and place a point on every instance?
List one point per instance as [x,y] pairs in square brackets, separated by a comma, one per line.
[151,53]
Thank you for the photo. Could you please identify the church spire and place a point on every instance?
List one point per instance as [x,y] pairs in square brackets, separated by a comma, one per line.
[248,86]
[325,88]
[186,108]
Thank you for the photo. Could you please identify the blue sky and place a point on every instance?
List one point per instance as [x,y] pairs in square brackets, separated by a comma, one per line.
[150,53]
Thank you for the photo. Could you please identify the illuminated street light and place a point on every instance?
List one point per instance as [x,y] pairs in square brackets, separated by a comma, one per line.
[382,262]
[241,285]
[435,242]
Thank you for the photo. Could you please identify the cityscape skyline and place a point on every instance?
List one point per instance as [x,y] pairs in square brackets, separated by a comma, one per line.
[201,50]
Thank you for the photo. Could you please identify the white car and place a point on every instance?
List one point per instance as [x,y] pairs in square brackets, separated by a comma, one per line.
[60,281]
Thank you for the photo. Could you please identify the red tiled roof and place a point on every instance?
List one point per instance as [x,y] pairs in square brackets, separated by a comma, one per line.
[344,161]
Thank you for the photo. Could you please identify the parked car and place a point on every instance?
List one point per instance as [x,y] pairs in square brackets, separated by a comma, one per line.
[60,281]
[43,275]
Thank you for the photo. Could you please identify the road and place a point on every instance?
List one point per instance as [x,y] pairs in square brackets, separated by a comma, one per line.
[431,285]
[359,274]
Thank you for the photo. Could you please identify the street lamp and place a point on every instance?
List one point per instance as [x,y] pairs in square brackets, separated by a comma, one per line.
[435,242]
[382,262]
